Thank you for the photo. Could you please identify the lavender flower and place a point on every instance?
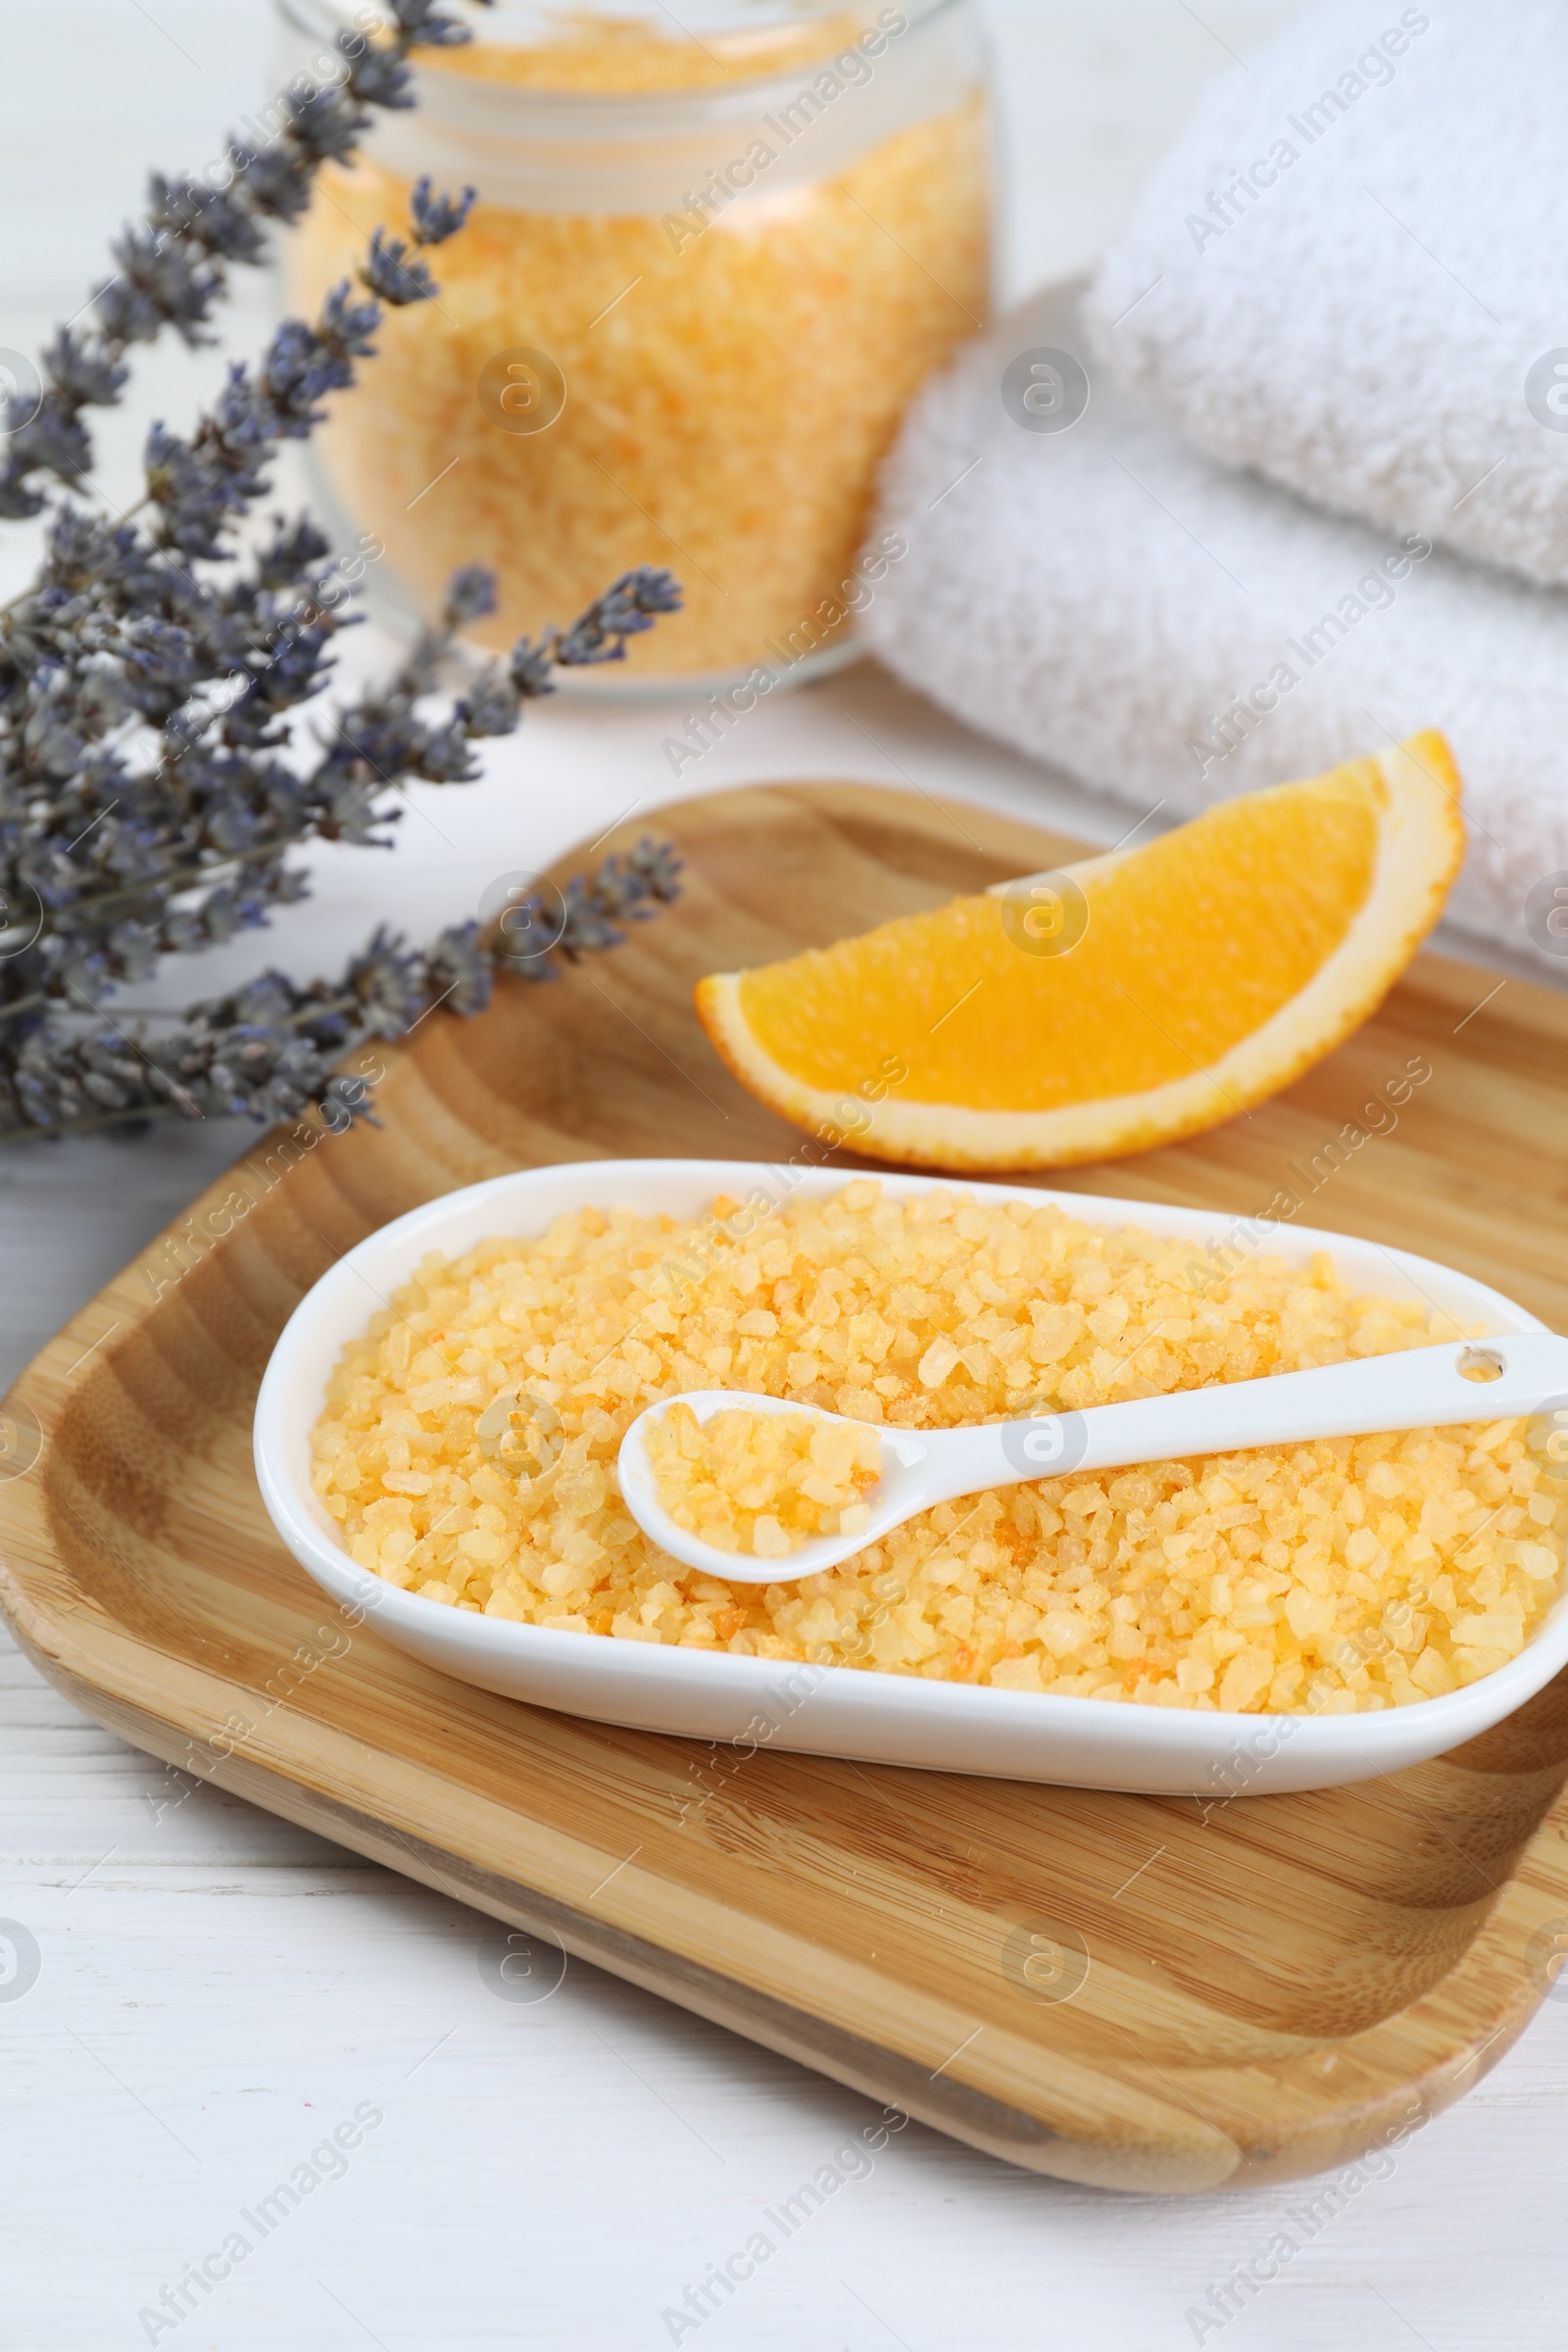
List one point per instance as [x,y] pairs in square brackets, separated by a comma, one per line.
[269,1050]
[437,217]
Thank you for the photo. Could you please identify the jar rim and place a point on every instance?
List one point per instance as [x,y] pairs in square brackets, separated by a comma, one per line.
[470,97]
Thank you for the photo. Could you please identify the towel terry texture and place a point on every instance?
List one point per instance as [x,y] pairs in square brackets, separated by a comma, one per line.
[1351,273]
[1110,598]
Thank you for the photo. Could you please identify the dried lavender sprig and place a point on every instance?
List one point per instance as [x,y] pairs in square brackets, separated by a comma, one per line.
[383,737]
[269,1050]
[118,630]
[172,267]
[121,635]
[627,888]
[231,821]
[201,486]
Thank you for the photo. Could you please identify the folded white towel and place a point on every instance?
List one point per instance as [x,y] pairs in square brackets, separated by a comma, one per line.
[1352,272]
[1109,599]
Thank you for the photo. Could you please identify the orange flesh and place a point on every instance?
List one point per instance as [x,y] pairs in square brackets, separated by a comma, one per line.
[1193,943]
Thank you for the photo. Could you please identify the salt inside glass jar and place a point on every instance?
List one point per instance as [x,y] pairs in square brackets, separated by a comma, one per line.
[708,267]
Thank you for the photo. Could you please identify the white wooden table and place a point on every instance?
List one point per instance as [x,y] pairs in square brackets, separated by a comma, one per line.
[219,1994]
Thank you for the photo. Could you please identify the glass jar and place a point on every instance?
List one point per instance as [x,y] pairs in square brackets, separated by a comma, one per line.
[707,270]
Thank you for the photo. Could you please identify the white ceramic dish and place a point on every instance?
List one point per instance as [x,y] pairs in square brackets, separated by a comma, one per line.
[838,1710]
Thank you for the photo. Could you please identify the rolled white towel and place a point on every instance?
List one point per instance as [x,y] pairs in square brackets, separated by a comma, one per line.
[1171,631]
[1352,272]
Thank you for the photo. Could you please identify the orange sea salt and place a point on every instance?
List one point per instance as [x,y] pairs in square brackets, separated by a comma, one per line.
[468,1452]
[730,384]
[762,1483]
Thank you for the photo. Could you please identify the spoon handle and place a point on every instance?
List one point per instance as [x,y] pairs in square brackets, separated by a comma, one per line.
[1418,1387]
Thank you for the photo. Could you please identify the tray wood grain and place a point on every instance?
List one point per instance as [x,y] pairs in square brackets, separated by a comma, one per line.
[1274,1984]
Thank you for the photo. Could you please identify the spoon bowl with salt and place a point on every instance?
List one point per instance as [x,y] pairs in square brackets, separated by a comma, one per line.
[1418,1387]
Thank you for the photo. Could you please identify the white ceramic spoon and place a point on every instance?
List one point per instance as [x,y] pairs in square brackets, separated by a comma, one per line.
[1419,1388]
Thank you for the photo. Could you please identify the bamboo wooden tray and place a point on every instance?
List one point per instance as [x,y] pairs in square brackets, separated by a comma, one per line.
[1273,1985]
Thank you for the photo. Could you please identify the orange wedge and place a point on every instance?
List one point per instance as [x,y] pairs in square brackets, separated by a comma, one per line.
[1120,1003]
